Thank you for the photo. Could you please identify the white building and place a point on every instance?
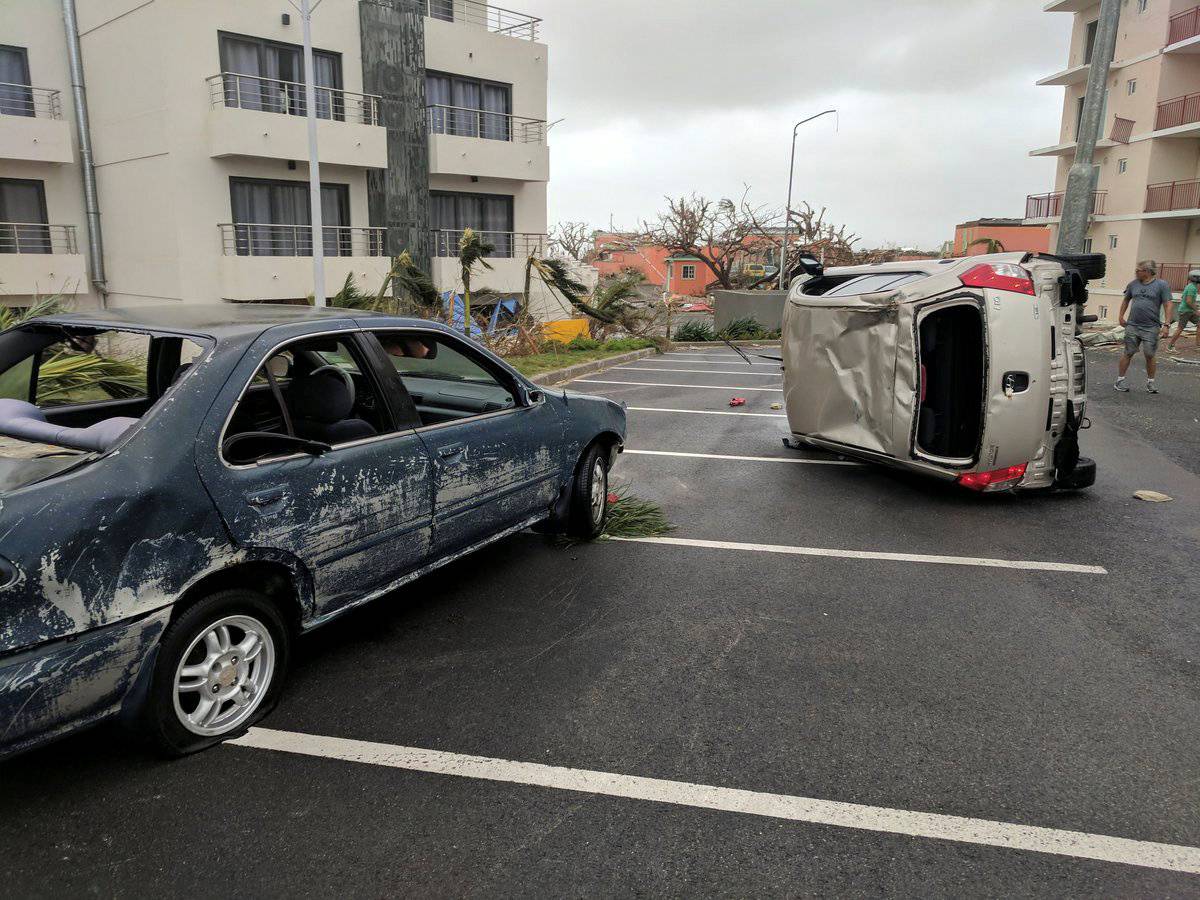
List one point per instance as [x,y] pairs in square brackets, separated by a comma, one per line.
[432,119]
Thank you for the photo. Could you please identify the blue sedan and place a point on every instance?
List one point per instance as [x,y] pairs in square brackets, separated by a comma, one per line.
[234,475]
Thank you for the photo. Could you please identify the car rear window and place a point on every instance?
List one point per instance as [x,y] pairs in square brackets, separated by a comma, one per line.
[867,284]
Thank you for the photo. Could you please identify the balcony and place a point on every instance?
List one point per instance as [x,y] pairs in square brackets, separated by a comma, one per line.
[274,262]
[1173,196]
[1049,206]
[36,258]
[1182,30]
[507,261]
[484,15]
[508,244]
[1176,274]
[1177,111]
[265,117]
[32,128]
[487,144]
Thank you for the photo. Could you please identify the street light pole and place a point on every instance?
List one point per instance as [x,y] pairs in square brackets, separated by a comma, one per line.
[314,165]
[787,210]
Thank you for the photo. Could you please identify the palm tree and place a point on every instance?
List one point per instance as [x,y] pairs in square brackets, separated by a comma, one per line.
[993,245]
[472,249]
[609,301]
[404,277]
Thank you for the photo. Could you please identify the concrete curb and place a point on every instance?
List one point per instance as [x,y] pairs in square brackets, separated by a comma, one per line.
[557,376]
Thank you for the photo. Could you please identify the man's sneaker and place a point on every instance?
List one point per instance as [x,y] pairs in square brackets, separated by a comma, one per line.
[1150,388]
[1121,385]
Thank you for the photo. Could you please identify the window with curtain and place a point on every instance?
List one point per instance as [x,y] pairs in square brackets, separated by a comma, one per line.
[441,9]
[271,218]
[269,76]
[489,214]
[16,99]
[22,206]
[476,108]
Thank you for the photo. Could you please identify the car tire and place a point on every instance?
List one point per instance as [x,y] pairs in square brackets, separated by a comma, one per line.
[220,668]
[589,495]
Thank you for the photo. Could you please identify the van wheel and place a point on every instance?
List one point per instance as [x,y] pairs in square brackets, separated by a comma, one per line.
[220,669]
[589,495]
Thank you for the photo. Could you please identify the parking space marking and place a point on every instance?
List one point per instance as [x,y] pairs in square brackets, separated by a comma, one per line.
[706,412]
[779,459]
[856,816]
[708,387]
[697,371]
[978,561]
[714,360]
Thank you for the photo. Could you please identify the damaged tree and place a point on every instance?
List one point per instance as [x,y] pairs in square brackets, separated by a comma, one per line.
[833,245]
[572,240]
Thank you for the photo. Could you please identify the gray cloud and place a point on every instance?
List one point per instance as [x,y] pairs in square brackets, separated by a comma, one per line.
[938,109]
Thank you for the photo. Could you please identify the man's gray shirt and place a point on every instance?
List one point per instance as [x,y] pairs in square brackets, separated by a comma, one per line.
[1146,302]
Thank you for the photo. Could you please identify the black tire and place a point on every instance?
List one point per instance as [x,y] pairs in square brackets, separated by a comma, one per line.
[584,519]
[241,610]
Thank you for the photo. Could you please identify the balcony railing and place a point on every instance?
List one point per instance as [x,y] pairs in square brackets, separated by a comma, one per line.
[1172,195]
[35,237]
[248,239]
[1183,25]
[1176,274]
[493,18]
[26,100]
[1049,206]
[492,126]
[288,97]
[508,244]
[1178,111]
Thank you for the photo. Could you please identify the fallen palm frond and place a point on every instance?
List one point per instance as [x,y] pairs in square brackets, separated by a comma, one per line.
[67,376]
[49,305]
[633,517]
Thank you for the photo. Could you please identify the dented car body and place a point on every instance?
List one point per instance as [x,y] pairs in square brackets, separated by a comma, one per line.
[297,464]
[962,369]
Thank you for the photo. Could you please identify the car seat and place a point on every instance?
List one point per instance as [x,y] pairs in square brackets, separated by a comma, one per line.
[321,403]
[23,420]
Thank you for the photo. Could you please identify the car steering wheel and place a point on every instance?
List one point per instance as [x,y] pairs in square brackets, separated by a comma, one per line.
[333,367]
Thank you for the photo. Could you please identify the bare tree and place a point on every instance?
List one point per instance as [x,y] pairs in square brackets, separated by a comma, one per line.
[718,233]
[832,244]
[571,239]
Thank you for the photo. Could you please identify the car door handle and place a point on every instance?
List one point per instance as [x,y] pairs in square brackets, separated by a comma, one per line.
[265,498]
[451,450]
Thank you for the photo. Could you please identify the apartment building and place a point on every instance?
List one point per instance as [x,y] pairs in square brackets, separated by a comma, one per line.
[1147,199]
[431,118]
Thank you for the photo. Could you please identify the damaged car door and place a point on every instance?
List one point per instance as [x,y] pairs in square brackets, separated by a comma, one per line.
[314,463]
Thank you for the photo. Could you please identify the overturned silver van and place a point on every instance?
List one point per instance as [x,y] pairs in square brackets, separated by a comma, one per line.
[964,369]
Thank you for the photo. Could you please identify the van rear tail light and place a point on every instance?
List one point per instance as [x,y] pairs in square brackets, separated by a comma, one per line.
[1001,276]
[995,480]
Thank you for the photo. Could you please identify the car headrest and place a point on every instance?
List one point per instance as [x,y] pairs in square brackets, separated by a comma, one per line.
[23,420]
[325,396]
[180,372]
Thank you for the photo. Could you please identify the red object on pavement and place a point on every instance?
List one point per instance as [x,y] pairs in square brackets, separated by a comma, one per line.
[737,401]
[613,496]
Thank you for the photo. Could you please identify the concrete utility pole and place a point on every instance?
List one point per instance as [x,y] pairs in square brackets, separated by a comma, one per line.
[787,210]
[314,166]
[1081,182]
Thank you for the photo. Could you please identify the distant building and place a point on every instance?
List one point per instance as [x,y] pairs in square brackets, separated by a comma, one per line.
[618,253]
[1013,234]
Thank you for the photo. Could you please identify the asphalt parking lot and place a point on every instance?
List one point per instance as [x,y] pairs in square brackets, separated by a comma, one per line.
[1005,686]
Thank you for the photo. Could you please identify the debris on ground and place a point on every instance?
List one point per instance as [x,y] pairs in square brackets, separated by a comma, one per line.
[776,406]
[1152,496]
[1114,335]
[630,517]
[737,401]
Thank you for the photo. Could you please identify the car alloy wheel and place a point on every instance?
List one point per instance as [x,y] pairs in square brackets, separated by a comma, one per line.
[224,675]
[598,491]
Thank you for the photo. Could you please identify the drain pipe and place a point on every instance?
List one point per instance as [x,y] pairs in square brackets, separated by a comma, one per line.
[91,199]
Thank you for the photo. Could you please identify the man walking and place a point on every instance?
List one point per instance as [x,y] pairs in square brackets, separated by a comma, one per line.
[1144,299]
[1189,310]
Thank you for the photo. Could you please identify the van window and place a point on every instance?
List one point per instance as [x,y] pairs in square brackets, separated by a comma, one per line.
[867,284]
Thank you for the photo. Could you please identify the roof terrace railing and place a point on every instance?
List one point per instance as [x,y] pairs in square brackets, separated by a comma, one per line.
[494,18]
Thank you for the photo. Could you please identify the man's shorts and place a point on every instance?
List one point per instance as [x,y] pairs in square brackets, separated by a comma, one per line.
[1144,337]
[1189,315]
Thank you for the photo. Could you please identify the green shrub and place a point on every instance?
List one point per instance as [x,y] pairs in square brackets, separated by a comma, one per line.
[626,344]
[746,329]
[552,347]
[579,342]
[694,331]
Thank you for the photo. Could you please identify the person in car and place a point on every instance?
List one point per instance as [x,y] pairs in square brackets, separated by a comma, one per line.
[414,348]
[1189,309]
[1145,298]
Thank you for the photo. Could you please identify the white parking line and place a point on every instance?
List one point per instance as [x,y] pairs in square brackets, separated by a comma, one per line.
[706,412]
[856,816]
[979,561]
[668,357]
[708,387]
[778,459]
[697,371]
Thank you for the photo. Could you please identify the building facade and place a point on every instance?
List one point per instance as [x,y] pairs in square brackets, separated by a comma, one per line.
[1147,200]
[431,118]
[1012,234]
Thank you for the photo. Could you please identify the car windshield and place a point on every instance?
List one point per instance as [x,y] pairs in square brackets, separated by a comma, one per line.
[868,284]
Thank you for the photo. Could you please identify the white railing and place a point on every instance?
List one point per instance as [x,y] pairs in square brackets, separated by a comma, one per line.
[485,15]
[288,97]
[493,126]
[508,244]
[35,237]
[253,239]
[26,100]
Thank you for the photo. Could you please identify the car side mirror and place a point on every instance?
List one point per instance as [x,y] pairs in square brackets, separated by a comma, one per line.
[535,396]
[252,446]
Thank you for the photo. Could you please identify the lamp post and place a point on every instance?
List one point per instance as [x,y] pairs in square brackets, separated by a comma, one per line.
[317,239]
[787,210]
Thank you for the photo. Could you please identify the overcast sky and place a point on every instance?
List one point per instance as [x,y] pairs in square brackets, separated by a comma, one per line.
[938,107]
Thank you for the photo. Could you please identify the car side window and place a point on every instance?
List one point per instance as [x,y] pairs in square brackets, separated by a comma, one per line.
[445,379]
[310,394]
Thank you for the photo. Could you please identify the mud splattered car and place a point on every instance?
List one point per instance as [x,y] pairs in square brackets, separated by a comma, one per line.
[963,369]
[183,490]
